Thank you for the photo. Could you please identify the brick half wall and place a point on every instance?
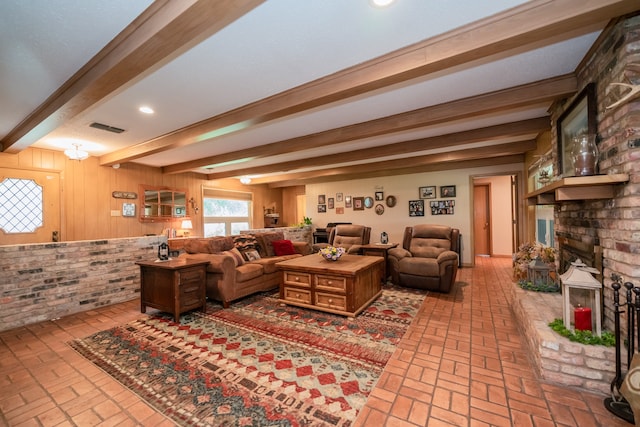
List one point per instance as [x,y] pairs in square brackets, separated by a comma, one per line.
[47,281]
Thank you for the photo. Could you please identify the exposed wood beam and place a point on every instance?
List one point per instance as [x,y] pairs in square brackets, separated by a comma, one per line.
[508,130]
[393,166]
[534,22]
[162,32]
[294,180]
[503,100]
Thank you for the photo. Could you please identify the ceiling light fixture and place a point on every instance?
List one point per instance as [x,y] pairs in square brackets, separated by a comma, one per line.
[146,110]
[381,3]
[245,180]
[76,153]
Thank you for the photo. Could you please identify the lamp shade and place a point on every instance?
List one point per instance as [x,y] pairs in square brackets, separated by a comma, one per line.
[187,224]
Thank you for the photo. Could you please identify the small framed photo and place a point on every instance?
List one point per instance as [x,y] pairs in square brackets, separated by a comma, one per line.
[339,210]
[427,192]
[379,196]
[322,208]
[358,203]
[128,209]
[347,202]
[321,199]
[448,191]
[416,207]
[330,203]
[338,197]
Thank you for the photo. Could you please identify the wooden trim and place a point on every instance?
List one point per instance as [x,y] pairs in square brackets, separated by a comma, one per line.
[355,175]
[519,131]
[396,167]
[503,100]
[162,32]
[515,30]
[577,188]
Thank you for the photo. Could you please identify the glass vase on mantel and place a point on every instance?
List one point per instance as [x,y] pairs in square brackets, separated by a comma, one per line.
[585,155]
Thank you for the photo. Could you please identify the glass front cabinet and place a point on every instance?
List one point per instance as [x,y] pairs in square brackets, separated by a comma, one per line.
[162,203]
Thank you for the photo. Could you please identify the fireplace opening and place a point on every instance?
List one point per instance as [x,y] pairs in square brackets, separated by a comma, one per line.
[570,250]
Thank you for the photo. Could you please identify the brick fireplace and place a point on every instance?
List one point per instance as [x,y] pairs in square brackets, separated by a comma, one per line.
[605,233]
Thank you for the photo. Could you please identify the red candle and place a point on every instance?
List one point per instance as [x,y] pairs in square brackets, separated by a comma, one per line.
[582,316]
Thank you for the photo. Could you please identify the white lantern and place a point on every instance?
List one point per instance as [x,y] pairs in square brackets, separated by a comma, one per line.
[579,276]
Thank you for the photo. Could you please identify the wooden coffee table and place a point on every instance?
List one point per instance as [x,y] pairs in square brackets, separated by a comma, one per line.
[346,286]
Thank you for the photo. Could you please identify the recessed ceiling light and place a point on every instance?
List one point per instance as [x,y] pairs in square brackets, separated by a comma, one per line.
[146,110]
[381,3]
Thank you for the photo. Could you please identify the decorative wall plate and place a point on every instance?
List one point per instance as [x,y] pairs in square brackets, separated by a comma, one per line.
[124,195]
[379,209]
[391,201]
[368,202]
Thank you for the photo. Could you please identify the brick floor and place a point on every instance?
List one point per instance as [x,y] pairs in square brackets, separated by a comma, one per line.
[462,363]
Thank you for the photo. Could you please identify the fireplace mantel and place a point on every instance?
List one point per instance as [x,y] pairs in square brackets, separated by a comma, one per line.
[577,188]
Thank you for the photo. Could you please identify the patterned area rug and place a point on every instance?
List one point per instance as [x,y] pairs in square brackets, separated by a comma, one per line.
[258,363]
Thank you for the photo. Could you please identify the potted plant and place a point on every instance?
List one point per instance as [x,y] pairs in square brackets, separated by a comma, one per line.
[528,252]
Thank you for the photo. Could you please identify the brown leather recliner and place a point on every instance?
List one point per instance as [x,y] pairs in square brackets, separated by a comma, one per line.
[348,236]
[428,258]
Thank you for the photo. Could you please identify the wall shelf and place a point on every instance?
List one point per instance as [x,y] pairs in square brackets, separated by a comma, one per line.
[577,188]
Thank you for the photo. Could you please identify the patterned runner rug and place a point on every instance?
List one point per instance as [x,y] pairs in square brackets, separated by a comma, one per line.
[258,363]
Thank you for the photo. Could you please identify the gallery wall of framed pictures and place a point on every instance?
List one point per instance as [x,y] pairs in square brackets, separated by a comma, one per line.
[436,207]
[340,202]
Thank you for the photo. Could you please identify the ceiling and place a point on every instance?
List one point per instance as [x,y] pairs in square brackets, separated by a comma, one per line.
[287,91]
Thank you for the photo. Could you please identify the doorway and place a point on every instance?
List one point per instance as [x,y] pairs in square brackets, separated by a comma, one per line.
[495,215]
[482,219]
[31,206]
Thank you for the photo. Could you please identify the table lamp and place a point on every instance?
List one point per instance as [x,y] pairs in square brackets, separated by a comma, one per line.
[186,226]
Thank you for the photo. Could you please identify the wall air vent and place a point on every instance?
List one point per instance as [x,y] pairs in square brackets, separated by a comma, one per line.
[106,127]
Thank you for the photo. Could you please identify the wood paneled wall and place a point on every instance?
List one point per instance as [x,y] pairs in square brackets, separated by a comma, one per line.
[87,202]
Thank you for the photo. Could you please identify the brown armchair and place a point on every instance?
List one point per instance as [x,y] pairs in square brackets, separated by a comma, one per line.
[348,236]
[428,258]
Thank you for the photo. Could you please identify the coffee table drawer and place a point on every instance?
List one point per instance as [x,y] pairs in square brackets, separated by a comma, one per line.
[334,302]
[295,278]
[297,295]
[331,282]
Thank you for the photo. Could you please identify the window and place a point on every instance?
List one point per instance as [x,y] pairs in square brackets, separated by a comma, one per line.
[20,205]
[225,212]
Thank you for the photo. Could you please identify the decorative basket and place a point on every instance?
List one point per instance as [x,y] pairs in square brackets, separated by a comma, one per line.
[331,253]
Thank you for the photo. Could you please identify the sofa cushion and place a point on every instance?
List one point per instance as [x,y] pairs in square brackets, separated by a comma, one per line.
[346,241]
[425,248]
[419,266]
[236,255]
[265,239]
[209,245]
[269,264]
[248,271]
[283,247]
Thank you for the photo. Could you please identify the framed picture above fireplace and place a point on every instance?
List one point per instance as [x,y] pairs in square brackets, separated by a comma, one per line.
[579,118]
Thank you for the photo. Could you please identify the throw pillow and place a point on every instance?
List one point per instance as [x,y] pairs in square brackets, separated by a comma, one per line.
[236,255]
[283,247]
[244,242]
[251,255]
[268,238]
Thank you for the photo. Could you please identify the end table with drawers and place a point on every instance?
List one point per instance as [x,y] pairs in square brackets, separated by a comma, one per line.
[173,286]
[379,249]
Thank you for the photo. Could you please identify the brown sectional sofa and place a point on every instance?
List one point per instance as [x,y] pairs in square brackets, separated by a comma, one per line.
[229,275]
